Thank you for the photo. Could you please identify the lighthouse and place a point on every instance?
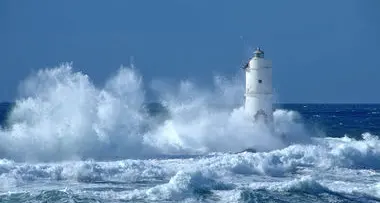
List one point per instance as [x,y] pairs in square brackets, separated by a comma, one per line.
[258,88]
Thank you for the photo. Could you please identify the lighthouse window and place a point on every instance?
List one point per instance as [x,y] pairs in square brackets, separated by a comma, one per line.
[260,81]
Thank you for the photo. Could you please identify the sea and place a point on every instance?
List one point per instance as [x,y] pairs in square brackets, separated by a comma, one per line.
[65,139]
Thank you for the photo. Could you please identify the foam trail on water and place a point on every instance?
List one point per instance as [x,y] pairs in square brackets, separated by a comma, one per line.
[61,115]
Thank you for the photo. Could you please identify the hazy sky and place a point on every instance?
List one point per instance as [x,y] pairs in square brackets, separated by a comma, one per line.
[322,51]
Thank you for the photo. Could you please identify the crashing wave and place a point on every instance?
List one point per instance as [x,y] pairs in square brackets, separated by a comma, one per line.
[62,115]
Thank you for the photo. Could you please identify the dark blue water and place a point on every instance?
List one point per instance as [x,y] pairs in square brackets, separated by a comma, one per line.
[340,119]
[5,108]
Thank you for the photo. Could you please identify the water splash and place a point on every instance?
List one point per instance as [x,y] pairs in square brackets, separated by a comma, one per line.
[60,115]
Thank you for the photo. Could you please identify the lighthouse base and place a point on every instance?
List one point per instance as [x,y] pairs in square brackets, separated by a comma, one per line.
[260,117]
[248,150]
[259,107]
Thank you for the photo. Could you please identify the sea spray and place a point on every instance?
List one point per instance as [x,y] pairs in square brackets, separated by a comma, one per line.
[62,115]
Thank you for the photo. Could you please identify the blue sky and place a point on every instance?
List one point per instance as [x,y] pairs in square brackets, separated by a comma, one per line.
[322,51]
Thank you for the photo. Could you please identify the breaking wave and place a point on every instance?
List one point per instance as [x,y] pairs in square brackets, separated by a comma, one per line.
[325,168]
[62,115]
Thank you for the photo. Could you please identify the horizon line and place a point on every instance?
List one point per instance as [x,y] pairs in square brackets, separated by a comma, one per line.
[278,103]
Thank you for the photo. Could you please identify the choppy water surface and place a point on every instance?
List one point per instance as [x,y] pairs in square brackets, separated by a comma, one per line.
[66,140]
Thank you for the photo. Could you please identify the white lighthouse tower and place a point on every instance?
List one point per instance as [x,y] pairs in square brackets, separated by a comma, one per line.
[258,89]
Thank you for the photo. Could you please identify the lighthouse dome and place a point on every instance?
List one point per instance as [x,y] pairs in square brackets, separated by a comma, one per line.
[258,53]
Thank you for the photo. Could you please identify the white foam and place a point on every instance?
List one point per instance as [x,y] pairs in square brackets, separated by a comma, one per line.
[295,159]
[183,185]
[310,168]
[61,115]
[303,184]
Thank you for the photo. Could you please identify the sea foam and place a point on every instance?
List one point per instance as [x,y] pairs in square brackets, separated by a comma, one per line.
[61,115]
